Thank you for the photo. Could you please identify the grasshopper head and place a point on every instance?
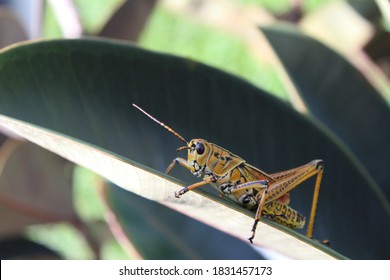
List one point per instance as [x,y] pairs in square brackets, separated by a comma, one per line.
[198,151]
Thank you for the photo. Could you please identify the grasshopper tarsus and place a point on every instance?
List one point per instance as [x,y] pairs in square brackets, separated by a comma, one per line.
[252,237]
[253,230]
[181,192]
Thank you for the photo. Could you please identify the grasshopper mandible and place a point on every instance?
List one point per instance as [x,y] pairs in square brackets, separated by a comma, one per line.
[246,184]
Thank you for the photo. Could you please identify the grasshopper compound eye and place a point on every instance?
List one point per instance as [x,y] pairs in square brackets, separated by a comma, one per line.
[199,148]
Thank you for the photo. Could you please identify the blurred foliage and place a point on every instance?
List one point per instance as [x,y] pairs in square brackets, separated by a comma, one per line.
[169,33]
[63,238]
[85,183]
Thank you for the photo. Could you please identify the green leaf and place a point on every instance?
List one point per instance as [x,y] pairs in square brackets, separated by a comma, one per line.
[162,233]
[340,97]
[81,91]
[143,181]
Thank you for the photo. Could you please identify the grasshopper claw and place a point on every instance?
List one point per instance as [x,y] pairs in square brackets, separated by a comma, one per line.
[181,192]
[252,236]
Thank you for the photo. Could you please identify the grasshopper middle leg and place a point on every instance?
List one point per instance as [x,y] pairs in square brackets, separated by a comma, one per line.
[262,187]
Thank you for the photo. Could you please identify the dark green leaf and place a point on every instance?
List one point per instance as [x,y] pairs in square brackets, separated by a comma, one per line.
[162,233]
[340,97]
[84,89]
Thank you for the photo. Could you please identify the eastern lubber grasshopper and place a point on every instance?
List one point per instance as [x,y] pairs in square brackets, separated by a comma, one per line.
[245,184]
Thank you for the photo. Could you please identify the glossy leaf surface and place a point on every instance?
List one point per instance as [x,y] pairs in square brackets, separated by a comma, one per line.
[83,89]
[340,97]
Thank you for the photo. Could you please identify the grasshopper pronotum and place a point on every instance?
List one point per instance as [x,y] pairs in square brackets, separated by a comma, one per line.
[245,184]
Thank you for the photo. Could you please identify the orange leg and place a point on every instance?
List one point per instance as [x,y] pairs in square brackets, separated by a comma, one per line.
[205,181]
[290,179]
[309,232]
[182,162]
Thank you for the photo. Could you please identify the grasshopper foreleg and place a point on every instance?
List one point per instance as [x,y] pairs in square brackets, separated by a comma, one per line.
[205,181]
[182,162]
[185,164]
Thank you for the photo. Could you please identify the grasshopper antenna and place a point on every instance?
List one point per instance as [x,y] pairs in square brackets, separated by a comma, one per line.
[162,124]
